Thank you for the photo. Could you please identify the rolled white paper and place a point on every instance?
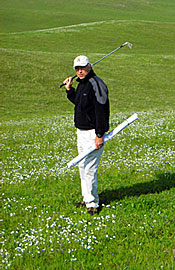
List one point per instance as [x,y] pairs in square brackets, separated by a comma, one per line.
[106,138]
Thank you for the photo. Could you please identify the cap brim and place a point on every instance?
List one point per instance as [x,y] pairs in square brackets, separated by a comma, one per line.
[81,65]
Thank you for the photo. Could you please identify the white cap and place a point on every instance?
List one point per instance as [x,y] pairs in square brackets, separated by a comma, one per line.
[81,61]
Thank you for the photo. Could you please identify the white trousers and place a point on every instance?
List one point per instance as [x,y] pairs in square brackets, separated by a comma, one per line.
[88,167]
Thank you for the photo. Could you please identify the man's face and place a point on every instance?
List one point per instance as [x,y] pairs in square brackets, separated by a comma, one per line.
[82,71]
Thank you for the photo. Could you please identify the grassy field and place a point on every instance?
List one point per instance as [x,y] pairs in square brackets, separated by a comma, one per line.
[41,228]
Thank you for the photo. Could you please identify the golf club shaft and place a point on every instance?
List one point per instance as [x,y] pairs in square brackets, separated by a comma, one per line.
[109,54]
[126,43]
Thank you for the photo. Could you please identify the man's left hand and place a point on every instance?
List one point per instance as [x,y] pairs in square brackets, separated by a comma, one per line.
[98,142]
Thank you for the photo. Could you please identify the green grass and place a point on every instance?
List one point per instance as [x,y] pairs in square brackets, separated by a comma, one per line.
[135,227]
[33,15]
[41,228]
[38,63]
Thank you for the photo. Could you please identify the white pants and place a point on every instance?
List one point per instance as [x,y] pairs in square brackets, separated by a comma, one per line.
[88,167]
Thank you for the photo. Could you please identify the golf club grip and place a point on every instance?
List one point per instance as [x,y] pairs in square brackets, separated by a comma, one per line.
[65,83]
[61,85]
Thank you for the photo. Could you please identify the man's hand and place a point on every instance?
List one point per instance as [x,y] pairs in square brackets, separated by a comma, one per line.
[98,142]
[68,83]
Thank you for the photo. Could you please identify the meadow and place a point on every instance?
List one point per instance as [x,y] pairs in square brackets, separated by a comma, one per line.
[40,226]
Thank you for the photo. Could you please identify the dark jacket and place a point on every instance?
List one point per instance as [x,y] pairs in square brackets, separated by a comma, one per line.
[91,104]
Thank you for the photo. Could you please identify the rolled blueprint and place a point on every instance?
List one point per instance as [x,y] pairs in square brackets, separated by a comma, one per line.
[106,138]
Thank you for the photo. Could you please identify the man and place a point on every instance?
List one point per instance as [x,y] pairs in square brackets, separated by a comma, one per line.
[91,116]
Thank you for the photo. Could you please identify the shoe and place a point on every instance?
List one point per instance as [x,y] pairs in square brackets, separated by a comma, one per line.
[92,211]
[80,204]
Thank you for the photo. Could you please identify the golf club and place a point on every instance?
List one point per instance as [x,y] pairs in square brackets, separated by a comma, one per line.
[124,44]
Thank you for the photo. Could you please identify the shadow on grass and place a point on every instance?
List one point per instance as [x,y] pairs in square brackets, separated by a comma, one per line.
[165,181]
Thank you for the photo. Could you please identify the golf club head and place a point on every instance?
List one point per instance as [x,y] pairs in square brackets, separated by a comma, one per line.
[129,44]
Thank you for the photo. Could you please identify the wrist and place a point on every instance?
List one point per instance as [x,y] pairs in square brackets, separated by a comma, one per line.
[99,135]
[68,88]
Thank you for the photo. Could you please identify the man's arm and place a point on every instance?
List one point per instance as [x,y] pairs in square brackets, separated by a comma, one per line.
[101,104]
[69,89]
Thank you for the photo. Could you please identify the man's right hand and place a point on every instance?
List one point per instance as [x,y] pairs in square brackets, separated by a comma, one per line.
[68,83]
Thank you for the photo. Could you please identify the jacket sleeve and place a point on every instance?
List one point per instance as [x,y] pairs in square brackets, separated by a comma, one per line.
[101,105]
[71,94]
